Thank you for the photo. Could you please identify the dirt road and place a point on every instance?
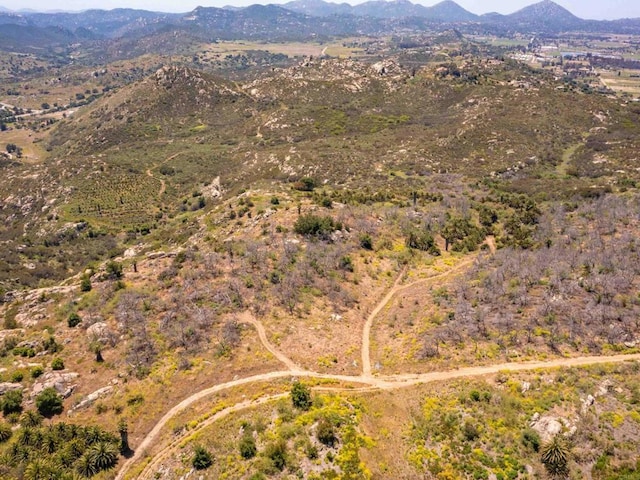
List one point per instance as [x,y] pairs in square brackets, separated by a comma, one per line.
[247,317]
[366,331]
[384,383]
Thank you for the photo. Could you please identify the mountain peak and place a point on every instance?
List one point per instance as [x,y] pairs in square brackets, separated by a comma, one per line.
[544,8]
[546,15]
[448,10]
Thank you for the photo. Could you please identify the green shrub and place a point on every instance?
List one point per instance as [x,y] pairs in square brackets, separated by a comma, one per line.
[50,345]
[301,396]
[531,439]
[315,225]
[325,432]
[346,263]
[305,184]
[311,450]
[470,431]
[422,240]
[49,403]
[17,376]
[366,242]
[57,364]
[11,402]
[85,284]
[202,458]
[73,320]
[277,453]
[36,371]
[247,446]
[24,352]
[114,270]
[135,399]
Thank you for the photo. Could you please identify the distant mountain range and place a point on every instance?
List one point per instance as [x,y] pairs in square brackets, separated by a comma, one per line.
[298,19]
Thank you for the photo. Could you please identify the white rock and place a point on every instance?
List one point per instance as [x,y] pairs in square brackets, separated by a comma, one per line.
[92,397]
[58,380]
[7,387]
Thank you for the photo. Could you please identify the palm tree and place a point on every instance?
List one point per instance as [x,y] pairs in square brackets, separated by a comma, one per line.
[85,467]
[75,448]
[123,430]
[26,436]
[50,443]
[41,470]
[555,457]
[17,453]
[5,432]
[103,455]
[31,418]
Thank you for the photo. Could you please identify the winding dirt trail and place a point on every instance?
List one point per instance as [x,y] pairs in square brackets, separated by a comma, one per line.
[366,331]
[163,183]
[247,317]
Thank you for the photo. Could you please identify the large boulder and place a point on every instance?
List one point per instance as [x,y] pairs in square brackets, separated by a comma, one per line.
[7,387]
[100,332]
[61,382]
[92,397]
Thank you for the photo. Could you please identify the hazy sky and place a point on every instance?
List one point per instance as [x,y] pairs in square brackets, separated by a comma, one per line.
[590,9]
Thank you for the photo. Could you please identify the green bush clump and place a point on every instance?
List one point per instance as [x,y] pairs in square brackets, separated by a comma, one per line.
[114,270]
[325,432]
[316,226]
[85,284]
[277,453]
[24,352]
[11,402]
[366,242]
[202,458]
[247,446]
[531,439]
[422,240]
[49,403]
[57,364]
[73,320]
[305,184]
[301,396]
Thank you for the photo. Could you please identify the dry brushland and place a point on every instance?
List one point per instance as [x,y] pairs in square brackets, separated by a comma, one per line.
[381,261]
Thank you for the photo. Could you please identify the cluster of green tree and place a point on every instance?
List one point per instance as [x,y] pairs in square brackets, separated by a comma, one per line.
[460,233]
[519,226]
[316,226]
[14,149]
[61,450]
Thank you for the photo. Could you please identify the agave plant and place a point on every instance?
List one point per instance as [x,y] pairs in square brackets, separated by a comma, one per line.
[555,457]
